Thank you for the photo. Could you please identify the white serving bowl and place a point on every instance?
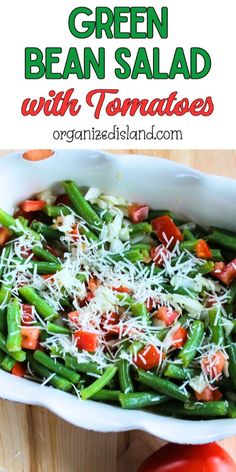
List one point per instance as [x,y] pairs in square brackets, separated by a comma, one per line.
[206,199]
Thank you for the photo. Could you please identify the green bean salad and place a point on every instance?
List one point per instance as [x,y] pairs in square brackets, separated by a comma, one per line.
[116,302]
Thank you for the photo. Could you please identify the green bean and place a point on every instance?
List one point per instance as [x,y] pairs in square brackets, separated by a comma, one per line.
[232,293]
[57,329]
[194,341]
[8,363]
[44,255]
[42,307]
[125,380]
[216,327]
[205,268]
[54,211]
[106,395]
[142,228]
[3,321]
[83,367]
[56,367]
[81,277]
[231,410]
[216,255]
[82,207]
[223,239]
[56,380]
[90,235]
[46,231]
[161,385]
[161,333]
[13,325]
[4,257]
[188,235]
[231,351]
[19,356]
[207,409]
[9,222]
[99,383]
[138,309]
[2,355]
[5,292]
[131,401]
[188,245]
[44,267]
[179,372]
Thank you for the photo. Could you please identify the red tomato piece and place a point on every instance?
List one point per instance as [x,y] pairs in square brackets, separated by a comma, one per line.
[166,314]
[62,200]
[228,274]
[47,276]
[138,212]
[202,250]
[86,341]
[121,289]
[159,254]
[27,315]
[5,235]
[208,395]
[32,205]
[19,369]
[218,267]
[167,231]
[75,233]
[213,365]
[30,338]
[73,317]
[148,358]
[186,458]
[179,337]
[93,284]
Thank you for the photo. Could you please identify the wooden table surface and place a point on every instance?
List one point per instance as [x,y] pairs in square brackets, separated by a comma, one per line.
[34,440]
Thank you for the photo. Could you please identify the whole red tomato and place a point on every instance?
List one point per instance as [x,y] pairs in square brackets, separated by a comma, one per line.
[177,458]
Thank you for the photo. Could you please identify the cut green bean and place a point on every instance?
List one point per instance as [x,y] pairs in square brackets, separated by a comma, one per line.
[216,326]
[188,235]
[46,231]
[9,222]
[8,363]
[56,367]
[195,409]
[99,383]
[57,329]
[13,326]
[83,367]
[223,239]
[82,207]
[42,307]
[179,372]
[161,385]
[143,228]
[56,380]
[193,343]
[130,401]
[216,255]
[106,395]
[55,211]
[44,255]
[19,356]
[125,380]
[231,351]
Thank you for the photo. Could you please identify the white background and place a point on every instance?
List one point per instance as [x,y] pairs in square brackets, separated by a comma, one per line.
[203,23]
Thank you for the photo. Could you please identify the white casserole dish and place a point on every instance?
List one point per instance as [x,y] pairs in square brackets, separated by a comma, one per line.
[206,199]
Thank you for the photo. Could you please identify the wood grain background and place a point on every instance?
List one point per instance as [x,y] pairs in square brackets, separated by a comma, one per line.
[34,440]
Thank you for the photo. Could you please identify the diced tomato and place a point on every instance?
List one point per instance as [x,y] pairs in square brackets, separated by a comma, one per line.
[47,276]
[213,365]
[27,315]
[19,369]
[228,274]
[73,317]
[218,267]
[32,205]
[179,337]
[87,299]
[166,314]
[138,212]
[166,230]
[5,235]
[148,358]
[121,289]
[86,341]
[150,304]
[30,338]
[208,395]
[93,284]
[109,322]
[202,250]
[25,253]
[62,200]
[52,250]
[75,232]
[159,254]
